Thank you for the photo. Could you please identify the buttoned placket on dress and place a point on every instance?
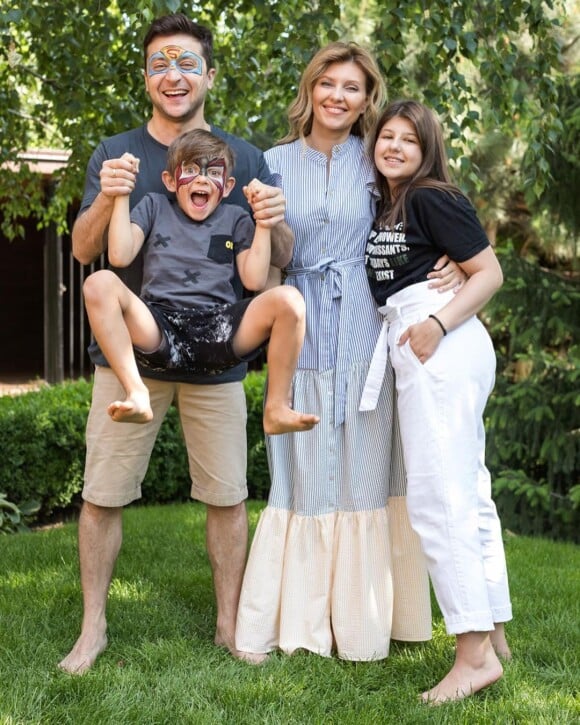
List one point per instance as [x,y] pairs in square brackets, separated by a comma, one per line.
[334,277]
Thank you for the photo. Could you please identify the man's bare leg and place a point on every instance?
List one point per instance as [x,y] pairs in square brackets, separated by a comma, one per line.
[100,537]
[227,543]
[476,666]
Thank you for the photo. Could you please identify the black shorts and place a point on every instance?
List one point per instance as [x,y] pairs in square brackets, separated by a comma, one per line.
[198,341]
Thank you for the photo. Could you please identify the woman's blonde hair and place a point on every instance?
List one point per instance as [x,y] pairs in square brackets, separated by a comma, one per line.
[300,111]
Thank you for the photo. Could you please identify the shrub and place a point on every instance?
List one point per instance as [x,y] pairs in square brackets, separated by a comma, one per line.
[258,473]
[42,437]
[532,420]
[13,518]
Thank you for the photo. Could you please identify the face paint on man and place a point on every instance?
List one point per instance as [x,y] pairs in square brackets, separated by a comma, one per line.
[176,57]
[213,169]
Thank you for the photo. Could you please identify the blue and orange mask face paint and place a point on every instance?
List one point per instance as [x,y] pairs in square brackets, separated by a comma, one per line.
[176,57]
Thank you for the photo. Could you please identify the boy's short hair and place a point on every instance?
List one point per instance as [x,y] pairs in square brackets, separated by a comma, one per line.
[198,144]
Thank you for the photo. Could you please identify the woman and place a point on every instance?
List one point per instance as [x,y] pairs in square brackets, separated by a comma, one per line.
[331,565]
[445,367]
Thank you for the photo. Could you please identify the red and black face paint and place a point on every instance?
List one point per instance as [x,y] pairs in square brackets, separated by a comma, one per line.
[213,169]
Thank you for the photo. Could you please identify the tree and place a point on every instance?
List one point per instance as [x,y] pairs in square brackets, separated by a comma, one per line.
[71,73]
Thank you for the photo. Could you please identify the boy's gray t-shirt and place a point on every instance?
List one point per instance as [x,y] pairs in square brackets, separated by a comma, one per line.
[186,263]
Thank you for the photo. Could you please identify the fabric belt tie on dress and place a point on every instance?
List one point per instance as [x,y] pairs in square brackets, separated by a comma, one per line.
[337,289]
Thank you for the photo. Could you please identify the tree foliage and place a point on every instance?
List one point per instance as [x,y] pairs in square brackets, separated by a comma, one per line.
[70,74]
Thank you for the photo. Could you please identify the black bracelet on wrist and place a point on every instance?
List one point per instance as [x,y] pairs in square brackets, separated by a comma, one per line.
[441,325]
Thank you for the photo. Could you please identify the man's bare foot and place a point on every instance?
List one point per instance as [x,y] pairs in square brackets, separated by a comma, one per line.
[282,419]
[250,657]
[464,680]
[83,655]
[499,642]
[136,408]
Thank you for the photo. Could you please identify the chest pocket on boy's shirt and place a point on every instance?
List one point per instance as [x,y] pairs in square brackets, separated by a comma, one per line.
[221,249]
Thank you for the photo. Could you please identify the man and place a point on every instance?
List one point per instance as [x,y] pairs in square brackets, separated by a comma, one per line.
[178,74]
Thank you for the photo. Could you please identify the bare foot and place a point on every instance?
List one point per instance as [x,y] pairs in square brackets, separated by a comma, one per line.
[499,642]
[250,657]
[136,408]
[83,655]
[282,419]
[464,680]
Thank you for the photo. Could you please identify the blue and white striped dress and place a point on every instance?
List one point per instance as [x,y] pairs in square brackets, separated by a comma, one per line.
[331,565]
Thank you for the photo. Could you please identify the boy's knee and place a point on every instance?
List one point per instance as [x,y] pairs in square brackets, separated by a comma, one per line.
[293,300]
[96,282]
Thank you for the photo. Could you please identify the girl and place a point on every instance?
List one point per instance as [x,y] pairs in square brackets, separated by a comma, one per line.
[444,368]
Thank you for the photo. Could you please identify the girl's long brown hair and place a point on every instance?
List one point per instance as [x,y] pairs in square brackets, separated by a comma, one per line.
[433,171]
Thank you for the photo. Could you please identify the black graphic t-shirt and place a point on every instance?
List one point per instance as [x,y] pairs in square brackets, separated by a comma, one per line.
[437,223]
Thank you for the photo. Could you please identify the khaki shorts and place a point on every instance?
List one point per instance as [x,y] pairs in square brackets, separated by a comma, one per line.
[213,420]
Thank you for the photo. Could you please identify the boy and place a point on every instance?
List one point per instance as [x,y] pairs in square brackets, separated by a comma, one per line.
[190,317]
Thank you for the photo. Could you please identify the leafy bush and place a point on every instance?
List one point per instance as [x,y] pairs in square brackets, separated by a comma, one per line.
[258,473]
[42,437]
[43,445]
[532,418]
[13,518]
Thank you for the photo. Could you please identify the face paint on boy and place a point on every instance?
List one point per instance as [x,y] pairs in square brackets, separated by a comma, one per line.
[213,169]
[176,57]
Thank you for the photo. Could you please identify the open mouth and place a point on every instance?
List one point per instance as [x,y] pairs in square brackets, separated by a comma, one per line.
[199,198]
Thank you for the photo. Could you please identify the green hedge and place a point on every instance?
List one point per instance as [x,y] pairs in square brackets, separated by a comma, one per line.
[43,448]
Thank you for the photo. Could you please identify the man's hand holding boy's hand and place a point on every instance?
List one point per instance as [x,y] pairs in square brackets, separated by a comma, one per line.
[267,202]
[118,176]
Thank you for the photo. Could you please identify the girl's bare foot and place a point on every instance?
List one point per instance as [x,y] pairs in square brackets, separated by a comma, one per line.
[499,642]
[136,408]
[476,666]
[282,419]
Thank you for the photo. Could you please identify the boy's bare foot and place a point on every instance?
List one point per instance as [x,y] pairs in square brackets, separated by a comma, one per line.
[136,408]
[83,655]
[250,657]
[464,680]
[282,419]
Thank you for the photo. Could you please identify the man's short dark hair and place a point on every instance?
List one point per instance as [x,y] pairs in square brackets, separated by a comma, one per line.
[178,23]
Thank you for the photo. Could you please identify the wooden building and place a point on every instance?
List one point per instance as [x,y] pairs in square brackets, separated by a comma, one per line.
[42,320]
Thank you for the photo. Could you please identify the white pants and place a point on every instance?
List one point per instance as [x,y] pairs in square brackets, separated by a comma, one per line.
[441,405]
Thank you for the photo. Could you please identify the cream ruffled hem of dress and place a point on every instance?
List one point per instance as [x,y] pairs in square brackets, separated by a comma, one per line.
[345,582]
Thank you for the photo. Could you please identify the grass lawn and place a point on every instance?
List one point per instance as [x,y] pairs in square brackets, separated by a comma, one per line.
[161,665]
